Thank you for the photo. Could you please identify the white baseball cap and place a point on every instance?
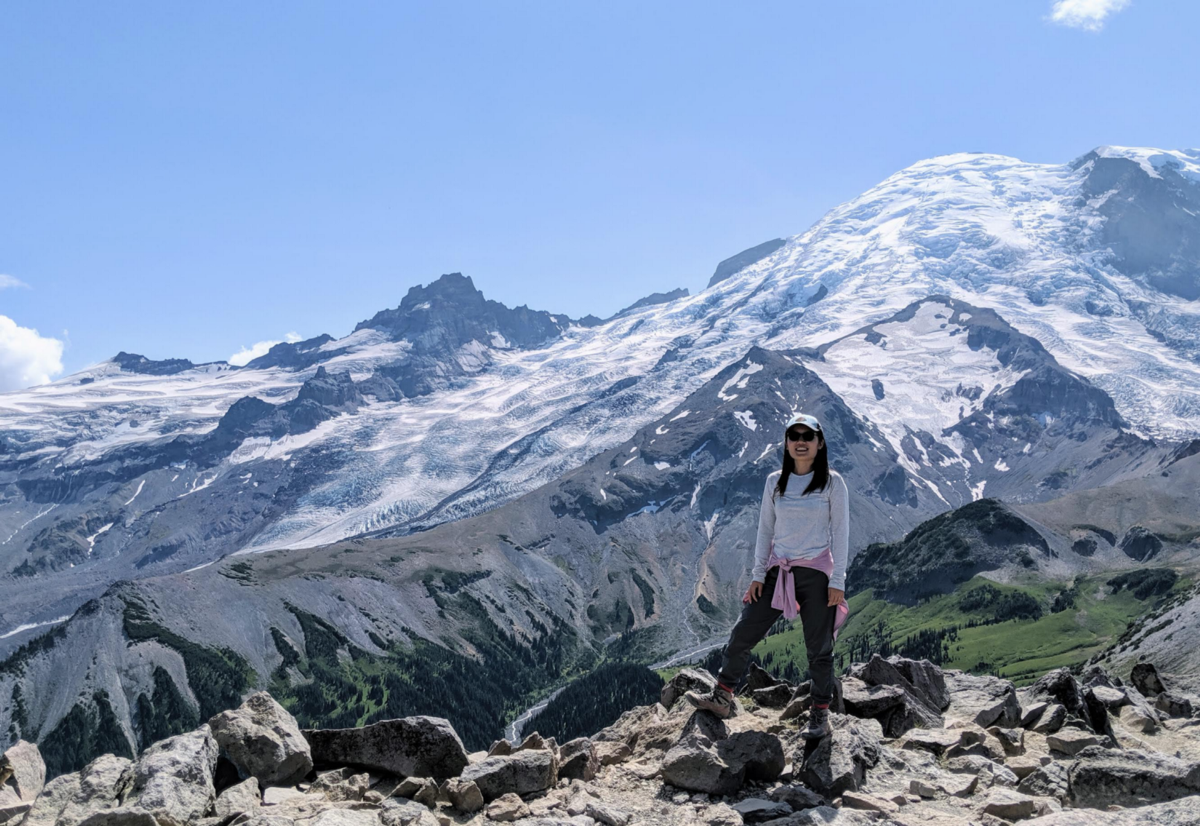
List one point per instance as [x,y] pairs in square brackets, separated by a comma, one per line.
[804,419]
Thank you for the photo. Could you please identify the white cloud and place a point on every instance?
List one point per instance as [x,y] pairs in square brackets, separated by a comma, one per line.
[248,354]
[26,358]
[1085,14]
[7,281]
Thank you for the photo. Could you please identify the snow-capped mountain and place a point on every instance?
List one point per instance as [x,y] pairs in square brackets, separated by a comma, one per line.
[451,405]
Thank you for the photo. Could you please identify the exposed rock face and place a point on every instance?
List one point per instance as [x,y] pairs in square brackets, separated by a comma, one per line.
[578,759]
[411,746]
[23,771]
[263,741]
[689,679]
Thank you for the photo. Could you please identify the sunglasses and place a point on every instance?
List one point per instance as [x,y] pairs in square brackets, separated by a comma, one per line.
[801,436]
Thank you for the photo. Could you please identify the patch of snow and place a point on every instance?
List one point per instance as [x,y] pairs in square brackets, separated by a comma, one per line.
[746,419]
[141,485]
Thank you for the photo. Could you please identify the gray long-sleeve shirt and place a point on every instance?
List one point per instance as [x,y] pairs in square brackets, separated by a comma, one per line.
[803,526]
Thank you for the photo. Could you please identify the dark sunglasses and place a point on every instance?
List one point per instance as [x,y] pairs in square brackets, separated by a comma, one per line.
[801,435]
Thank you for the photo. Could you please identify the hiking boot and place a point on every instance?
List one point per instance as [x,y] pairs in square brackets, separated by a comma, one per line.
[718,701]
[818,724]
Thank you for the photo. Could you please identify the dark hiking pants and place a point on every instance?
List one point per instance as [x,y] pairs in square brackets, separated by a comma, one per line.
[816,615]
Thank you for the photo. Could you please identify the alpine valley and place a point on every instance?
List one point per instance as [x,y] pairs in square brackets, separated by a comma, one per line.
[460,506]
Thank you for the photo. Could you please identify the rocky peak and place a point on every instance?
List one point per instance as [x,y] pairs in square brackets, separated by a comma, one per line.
[135,363]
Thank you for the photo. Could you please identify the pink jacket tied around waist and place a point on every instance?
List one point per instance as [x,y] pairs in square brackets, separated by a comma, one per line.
[784,598]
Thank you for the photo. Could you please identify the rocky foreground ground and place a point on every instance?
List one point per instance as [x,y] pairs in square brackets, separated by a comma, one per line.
[912,744]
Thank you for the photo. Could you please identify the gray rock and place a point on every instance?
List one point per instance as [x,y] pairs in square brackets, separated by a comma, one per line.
[121,816]
[983,700]
[1012,740]
[936,741]
[245,797]
[427,795]
[276,795]
[263,740]
[522,773]
[1185,812]
[918,708]
[1071,741]
[758,678]
[1008,804]
[1112,698]
[864,700]
[578,760]
[689,679]
[1144,677]
[1049,780]
[1103,777]
[1052,719]
[55,797]
[839,762]
[173,778]
[706,759]
[756,810]
[776,696]
[1173,704]
[500,748]
[341,784]
[1031,713]
[23,770]
[928,680]
[988,771]
[608,815]
[411,746]
[797,796]
[464,795]
[506,808]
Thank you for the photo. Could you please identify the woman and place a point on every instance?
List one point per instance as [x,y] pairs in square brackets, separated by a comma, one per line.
[800,557]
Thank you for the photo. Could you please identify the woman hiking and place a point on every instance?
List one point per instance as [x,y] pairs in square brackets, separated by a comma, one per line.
[800,562]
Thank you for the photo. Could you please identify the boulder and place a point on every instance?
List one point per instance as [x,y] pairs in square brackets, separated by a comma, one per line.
[1144,677]
[577,759]
[757,678]
[341,784]
[410,746]
[1111,698]
[689,679]
[500,748]
[864,700]
[1012,740]
[1031,713]
[607,815]
[54,799]
[263,741]
[1137,719]
[506,808]
[797,796]
[1060,686]
[757,810]
[1009,805]
[989,772]
[1071,741]
[1052,719]
[245,798]
[121,816]
[922,701]
[868,802]
[464,795]
[983,700]
[932,740]
[706,758]
[533,770]
[1128,777]
[23,771]
[1173,705]
[776,696]
[173,779]
[1175,813]
[1096,675]
[839,762]
[1049,780]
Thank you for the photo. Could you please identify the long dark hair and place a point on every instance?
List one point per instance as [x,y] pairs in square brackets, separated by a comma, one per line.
[820,468]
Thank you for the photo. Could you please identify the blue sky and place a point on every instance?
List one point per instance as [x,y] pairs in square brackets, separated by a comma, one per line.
[185,180]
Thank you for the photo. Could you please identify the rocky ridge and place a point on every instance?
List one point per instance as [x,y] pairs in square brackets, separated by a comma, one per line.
[912,743]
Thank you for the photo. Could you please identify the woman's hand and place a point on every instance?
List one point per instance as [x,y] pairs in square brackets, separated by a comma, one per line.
[836,597]
[753,592]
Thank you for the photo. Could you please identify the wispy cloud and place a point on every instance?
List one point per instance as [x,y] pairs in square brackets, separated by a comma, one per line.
[248,354]
[11,281]
[26,358]
[1085,14]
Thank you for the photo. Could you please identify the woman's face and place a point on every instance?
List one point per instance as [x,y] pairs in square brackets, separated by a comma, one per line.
[803,452]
